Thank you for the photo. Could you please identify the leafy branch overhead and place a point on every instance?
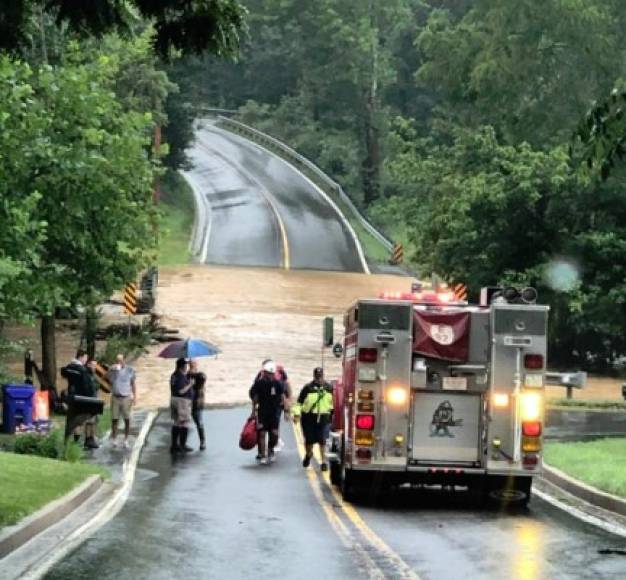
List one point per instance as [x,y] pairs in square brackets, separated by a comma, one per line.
[602,134]
[189,26]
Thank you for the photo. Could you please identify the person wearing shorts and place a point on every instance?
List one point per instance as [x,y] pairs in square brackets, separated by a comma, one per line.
[181,401]
[314,410]
[268,397]
[123,397]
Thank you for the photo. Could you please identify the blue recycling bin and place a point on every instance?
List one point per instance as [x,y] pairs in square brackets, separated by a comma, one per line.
[17,406]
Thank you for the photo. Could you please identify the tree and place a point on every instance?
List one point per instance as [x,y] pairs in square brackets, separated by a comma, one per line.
[23,127]
[528,67]
[89,183]
[600,139]
[191,26]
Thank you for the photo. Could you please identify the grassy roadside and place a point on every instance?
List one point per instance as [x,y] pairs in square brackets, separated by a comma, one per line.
[600,463]
[27,483]
[177,208]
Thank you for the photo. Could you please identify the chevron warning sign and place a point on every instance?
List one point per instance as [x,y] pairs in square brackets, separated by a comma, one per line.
[397,254]
[101,377]
[130,298]
[460,292]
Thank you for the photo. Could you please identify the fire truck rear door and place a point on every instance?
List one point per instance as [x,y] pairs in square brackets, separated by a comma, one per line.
[445,427]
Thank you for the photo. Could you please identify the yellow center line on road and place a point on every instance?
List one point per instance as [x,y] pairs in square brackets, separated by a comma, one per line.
[281,227]
[401,568]
[286,261]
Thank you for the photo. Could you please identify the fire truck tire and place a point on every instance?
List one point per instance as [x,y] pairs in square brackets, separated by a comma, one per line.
[507,491]
[348,487]
[335,473]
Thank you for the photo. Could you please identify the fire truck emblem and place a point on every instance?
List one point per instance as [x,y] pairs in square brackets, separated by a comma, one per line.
[443,419]
[442,334]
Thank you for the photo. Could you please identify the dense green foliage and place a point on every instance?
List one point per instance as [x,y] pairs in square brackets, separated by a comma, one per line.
[83,94]
[80,178]
[187,25]
[178,208]
[452,124]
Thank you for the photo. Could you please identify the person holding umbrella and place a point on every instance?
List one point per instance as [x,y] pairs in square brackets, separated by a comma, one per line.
[181,401]
[187,389]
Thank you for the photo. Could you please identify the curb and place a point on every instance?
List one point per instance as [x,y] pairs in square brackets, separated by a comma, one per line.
[110,509]
[583,491]
[52,513]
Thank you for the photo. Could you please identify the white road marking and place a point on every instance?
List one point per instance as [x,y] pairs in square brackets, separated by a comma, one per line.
[324,195]
[286,261]
[579,514]
[204,217]
[106,514]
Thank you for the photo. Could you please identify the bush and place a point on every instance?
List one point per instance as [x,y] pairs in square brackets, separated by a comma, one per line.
[50,446]
[27,444]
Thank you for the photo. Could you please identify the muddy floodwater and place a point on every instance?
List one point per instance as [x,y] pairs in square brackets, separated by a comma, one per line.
[253,314]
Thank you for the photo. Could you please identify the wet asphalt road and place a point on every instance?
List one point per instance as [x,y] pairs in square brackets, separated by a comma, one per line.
[263,212]
[218,515]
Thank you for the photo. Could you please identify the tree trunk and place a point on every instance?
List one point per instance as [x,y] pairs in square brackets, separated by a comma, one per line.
[371,164]
[91,325]
[48,351]
[370,168]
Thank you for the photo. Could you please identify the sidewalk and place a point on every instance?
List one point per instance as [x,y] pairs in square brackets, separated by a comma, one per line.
[36,543]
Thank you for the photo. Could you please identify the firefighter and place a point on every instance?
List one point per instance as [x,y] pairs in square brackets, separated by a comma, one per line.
[314,410]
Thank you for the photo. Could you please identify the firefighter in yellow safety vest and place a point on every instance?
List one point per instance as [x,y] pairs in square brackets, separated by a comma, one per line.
[314,409]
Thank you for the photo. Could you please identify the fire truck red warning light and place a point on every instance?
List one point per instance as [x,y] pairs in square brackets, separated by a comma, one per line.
[424,297]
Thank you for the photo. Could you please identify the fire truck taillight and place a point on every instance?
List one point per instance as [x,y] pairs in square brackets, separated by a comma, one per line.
[365,422]
[365,394]
[500,400]
[397,396]
[363,454]
[533,361]
[368,355]
[365,438]
[531,444]
[531,428]
[531,406]
[530,461]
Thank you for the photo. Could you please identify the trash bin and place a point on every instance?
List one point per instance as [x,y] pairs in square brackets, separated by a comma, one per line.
[17,406]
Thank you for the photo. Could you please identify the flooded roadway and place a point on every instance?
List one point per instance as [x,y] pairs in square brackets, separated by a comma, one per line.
[218,515]
[264,212]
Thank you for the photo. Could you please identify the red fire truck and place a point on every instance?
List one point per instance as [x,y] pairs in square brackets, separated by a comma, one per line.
[438,391]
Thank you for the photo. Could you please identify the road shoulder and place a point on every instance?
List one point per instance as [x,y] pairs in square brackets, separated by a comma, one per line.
[78,515]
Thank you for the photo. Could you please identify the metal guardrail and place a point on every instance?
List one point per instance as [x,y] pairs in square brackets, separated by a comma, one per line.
[298,160]
[574,380]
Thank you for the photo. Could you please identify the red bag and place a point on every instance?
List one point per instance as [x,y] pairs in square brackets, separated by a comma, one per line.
[248,437]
